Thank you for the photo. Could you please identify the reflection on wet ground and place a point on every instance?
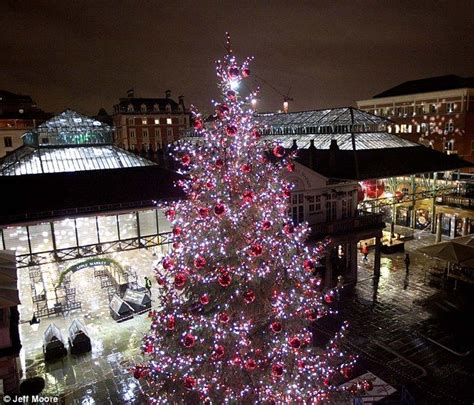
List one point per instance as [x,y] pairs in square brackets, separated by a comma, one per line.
[409,329]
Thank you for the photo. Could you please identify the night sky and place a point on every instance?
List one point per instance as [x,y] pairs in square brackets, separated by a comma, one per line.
[86,54]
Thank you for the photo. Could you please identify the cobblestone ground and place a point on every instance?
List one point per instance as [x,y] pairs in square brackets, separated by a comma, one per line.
[413,330]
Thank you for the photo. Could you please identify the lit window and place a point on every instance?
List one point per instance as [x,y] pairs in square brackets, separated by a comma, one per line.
[143,121]
[403,128]
[169,121]
[450,107]
[157,121]
[449,126]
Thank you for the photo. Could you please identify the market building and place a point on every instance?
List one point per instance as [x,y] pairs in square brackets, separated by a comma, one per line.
[437,112]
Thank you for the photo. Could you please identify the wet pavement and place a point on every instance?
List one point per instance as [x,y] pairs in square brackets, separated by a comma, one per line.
[411,331]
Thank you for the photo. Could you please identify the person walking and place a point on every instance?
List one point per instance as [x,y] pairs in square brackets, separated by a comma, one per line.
[148,285]
[365,251]
[407,263]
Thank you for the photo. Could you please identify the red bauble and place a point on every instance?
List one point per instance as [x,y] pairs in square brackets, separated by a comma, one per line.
[225,279]
[256,133]
[315,282]
[180,280]
[294,342]
[301,364]
[248,196]
[290,167]
[137,372]
[276,327]
[189,341]
[279,151]
[224,317]
[245,72]
[329,298]
[219,352]
[219,209]
[246,168]
[190,382]
[149,347]
[286,193]
[373,188]
[209,185]
[368,385]
[256,250]
[231,130]
[197,124]
[234,72]
[399,195]
[266,225]
[177,231]
[170,214]
[167,263]
[199,262]
[186,160]
[277,370]
[171,323]
[204,300]
[176,245]
[310,314]
[326,381]
[346,371]
[249,296]
[203,212]
[231,95]
[222,110]
[250,365]
[219,163]
[308,265]
[288,229]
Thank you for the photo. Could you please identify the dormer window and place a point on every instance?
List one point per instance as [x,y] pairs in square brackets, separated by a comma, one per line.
[130,108]
[168,108]
[143,108]
[156,107]
[180,108]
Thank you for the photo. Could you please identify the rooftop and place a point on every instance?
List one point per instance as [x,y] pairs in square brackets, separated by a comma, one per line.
[439,83]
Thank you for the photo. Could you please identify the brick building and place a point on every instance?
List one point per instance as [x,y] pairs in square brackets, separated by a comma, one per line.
[18,114]
[437,112]
[149,124]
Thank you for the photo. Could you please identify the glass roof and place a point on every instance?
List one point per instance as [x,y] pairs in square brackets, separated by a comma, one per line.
[28,160]
[69,128]
[366,140]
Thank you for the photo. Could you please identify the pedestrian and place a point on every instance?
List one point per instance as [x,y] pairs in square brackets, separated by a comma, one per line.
[148,285]
[365,251]
[407,263]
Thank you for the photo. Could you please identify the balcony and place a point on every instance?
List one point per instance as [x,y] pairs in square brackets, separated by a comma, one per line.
[361,222]
[456,200]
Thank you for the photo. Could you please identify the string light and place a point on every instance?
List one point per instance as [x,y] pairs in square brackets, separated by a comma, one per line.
[241,290]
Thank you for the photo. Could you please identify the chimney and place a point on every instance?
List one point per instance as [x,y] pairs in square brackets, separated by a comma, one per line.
[295,145]
[168,93]
[181,100]
[130,93]
[311,151]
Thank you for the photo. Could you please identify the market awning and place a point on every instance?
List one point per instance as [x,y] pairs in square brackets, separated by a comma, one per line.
[455,251]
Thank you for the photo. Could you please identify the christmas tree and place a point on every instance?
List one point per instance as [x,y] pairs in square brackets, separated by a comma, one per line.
[239,287]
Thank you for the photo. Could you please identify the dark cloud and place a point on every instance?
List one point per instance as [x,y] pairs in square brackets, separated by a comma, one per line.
[86,54]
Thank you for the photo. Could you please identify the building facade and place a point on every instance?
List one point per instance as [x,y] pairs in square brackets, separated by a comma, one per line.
[149,124]
[436,112]
[18,114]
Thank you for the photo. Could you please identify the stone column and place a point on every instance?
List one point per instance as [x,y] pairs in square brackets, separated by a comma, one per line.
[439,219]
[377,257]
[452,232]
[465,226]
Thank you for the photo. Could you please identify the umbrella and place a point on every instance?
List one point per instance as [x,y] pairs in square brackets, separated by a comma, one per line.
[450,251]
[8,278]
[465,240]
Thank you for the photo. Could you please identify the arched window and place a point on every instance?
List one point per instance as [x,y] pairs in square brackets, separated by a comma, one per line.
[156,107]
[143,108]
[168,108]
[130,108]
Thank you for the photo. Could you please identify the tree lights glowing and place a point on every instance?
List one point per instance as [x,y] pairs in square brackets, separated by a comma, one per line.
[239,288]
